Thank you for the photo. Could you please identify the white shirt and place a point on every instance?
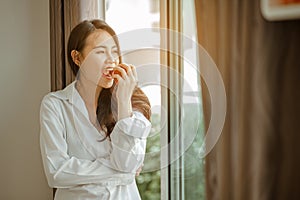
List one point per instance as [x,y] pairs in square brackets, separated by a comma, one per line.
[77,162]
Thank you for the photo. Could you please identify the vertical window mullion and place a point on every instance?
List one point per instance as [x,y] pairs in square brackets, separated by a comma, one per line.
[165,138]
[101,4]
[171,20]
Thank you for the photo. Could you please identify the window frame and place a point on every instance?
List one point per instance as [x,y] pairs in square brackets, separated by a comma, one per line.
[170,19]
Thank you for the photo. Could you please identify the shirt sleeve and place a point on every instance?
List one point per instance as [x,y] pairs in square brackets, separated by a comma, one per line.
[63,171]
[128,140]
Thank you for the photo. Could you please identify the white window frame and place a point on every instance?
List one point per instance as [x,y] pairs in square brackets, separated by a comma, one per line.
[172,185]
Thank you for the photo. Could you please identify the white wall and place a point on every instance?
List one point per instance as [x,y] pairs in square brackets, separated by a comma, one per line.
[24,80]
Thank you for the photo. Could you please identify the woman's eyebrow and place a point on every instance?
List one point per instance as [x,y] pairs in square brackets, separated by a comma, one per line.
[101,46]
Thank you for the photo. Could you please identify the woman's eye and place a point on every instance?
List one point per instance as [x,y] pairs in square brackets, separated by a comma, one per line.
[115,52]
[100,52]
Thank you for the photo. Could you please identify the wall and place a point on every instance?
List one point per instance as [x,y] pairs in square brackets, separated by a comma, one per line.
[24,80]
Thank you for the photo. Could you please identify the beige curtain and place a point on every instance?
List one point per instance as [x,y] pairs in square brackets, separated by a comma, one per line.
[64,15]
[258,154]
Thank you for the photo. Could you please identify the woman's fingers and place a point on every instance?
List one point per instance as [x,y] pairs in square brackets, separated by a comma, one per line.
[133,69]
[118,77]
[125,66]
[126,82]
[127,69]
[120,71]
[139,170]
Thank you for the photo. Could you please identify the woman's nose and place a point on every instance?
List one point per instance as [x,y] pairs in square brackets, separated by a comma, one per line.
[110,59]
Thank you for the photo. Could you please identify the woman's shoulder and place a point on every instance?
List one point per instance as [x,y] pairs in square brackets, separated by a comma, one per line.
[52,105]
[50,97]
[50,100]
[59,95]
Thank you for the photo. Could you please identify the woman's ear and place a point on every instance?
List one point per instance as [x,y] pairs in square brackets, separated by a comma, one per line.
[76,57]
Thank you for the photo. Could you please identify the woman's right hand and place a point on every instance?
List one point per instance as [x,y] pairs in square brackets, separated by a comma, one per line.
[126,76]
[138,171]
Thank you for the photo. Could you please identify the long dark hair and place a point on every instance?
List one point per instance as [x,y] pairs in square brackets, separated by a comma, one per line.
[106,101]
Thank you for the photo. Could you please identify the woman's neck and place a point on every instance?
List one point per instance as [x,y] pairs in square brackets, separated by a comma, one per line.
[89,92]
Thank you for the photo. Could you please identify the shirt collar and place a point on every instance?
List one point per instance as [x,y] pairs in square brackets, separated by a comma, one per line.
[66,93]
[71,95]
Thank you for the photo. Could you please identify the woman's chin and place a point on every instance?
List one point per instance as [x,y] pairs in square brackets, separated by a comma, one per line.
[106,84]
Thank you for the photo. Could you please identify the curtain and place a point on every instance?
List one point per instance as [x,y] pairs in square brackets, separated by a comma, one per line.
[258,154]
[64,15]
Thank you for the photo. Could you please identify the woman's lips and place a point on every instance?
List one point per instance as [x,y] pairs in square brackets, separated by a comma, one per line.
[108,73]
[108,76]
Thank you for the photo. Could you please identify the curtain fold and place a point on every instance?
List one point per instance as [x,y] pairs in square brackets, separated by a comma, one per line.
[64,15]
[258,153]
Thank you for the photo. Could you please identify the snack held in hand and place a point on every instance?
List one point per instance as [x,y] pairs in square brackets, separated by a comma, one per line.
[116,71]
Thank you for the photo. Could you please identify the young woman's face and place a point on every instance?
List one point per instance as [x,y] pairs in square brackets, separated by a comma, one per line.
[100,56]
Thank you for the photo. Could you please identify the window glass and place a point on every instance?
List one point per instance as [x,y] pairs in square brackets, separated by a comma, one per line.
[133,21]
[194,177]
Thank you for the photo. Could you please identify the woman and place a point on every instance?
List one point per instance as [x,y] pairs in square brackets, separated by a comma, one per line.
[93,133]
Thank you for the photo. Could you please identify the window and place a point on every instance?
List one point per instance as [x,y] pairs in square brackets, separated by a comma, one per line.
[184,177]
[173,168]
[133,21]
[193,125]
